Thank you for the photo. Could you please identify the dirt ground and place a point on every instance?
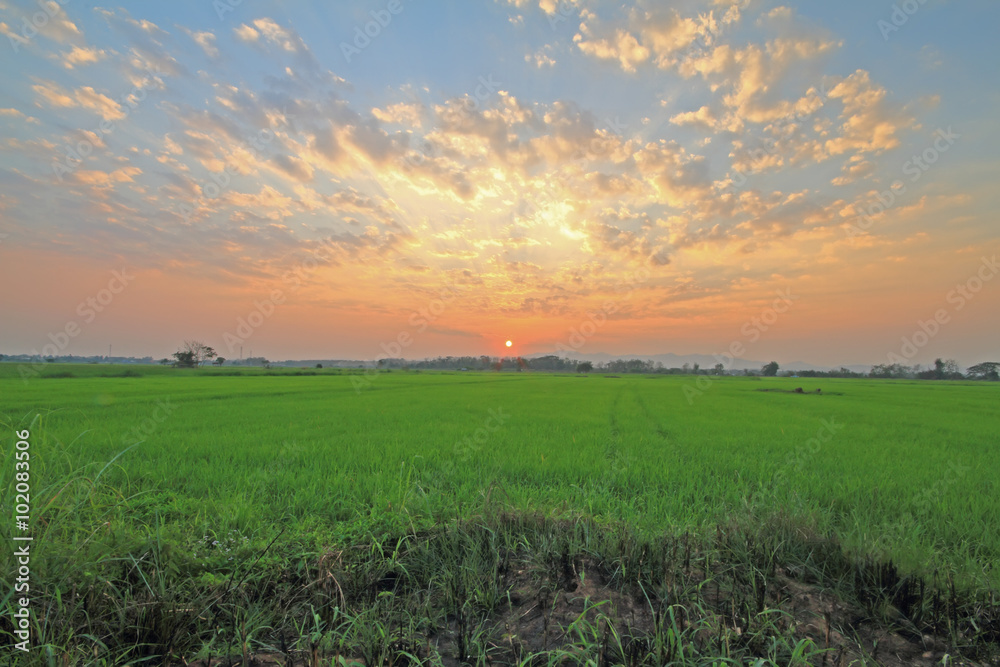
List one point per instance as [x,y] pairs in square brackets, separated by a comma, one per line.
[543,607]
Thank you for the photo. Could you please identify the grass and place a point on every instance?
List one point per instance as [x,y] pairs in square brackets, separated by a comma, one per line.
[416,518]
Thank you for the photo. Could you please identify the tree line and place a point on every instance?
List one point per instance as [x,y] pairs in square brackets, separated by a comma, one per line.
[942,369]
[194,353]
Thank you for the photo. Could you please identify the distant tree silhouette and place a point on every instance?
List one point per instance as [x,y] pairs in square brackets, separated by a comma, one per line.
[185,359]
[891,371]
[988,370]
[769,370]
[943,370]
[584,367]
[198,351]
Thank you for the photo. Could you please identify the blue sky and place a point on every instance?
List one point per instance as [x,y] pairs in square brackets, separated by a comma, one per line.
[721,150]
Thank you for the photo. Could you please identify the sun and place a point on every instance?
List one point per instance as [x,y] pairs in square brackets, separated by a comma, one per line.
[508,343]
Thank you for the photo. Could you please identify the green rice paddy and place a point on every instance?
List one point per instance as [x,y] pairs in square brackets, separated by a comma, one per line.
[152,484]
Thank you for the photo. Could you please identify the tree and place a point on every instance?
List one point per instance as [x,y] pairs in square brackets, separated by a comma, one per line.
[988,370]
[719,369]
[164,361]
[184,359]
[769,370]
[943,370]
[584,367]
[200,353]
[219,361]
[892,371]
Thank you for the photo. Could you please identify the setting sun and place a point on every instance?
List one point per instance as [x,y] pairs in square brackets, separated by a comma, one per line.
[508,343]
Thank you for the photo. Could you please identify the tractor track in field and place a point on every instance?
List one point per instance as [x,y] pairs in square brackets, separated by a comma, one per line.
[658,426]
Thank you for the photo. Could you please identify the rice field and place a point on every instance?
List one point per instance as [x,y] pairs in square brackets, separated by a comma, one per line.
[335,517]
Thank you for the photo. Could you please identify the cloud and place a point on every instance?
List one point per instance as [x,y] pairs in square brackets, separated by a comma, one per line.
[540,58]
[621,45]
[278,35]
[660,35]
[869,123]
[58,27]
[409,114]
[703,117]
[146,48]
[82,56]
[16,40]
[204,39]
[54,95]
[679,178]
[931,58]
[752,76]
[266,32]
[107,108]
[781,14]
[853,170]
[85,98]
[268,202]
[270,31]
[549,7]
[104,179]
[293,167]
[246,34]
[627,234]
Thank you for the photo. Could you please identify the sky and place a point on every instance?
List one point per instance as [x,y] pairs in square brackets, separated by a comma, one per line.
[408,178]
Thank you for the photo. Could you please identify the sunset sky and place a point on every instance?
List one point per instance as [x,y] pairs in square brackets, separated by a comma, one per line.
[321,180]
